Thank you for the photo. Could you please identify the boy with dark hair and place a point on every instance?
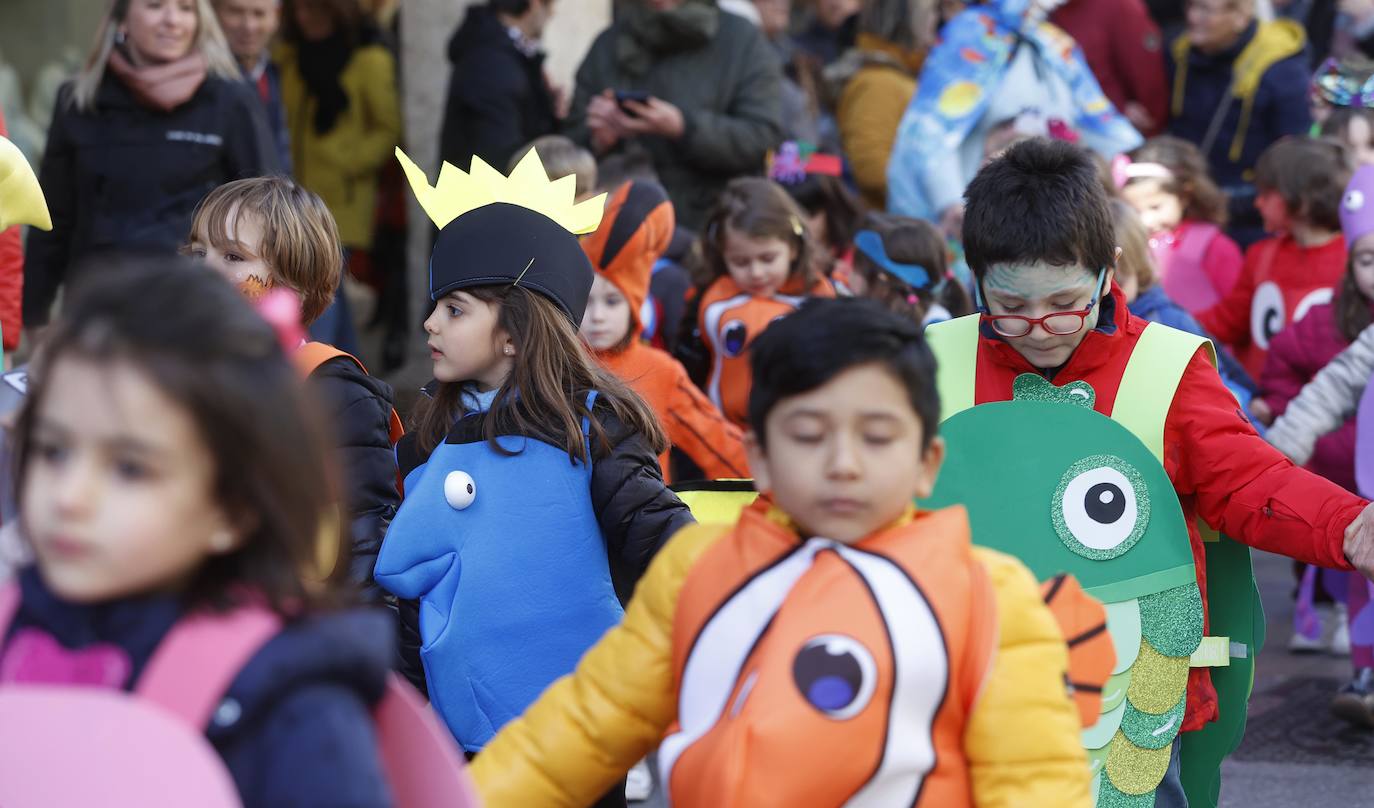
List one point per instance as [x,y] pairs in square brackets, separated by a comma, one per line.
[861,652]
[1039,240]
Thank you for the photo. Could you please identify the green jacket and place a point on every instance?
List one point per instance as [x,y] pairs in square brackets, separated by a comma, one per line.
[728,92]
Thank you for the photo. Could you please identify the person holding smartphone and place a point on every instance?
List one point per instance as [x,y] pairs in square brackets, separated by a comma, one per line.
[694,88]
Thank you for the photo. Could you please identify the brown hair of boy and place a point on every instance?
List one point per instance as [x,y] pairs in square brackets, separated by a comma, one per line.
[300,240]
[1136,261]
[1202,200]
[545,395]
[760,208]
[195,338]
[561,157]
[1310,174]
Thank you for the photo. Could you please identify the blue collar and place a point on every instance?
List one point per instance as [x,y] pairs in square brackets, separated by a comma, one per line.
[476,401]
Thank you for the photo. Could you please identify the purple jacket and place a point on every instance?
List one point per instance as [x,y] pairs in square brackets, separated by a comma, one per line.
[1295,356]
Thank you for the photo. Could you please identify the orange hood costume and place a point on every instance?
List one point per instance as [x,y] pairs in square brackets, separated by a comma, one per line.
[633,234]
[910,668]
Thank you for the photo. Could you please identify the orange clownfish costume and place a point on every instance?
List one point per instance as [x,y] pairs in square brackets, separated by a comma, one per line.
[910,668]
[859,662]
[635,231]
[729,320]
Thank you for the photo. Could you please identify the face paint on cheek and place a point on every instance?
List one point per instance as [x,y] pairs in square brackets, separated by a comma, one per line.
[253,287]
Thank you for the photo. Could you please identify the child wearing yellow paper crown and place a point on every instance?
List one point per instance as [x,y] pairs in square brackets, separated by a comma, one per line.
[833,646]
[532,488]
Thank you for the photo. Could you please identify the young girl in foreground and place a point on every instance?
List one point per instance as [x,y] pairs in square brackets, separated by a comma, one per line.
[168,467]
[532,481]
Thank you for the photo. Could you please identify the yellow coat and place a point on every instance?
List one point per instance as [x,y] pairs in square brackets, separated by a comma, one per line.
[343,165]
[589,728]
[869,111]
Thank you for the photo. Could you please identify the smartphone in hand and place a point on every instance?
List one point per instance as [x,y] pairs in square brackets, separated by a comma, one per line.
[637,96]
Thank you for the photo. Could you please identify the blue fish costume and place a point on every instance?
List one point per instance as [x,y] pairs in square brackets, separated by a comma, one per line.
[502,551]
[958,81]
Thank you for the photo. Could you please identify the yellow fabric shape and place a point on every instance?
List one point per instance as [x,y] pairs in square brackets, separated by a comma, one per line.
[21,197]
[1157,681]
[343,165]
[457,192]
[1133,770]
[589,728]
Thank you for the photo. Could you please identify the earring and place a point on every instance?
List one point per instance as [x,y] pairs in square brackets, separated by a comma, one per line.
[510,351]
[120,36]
[222,541]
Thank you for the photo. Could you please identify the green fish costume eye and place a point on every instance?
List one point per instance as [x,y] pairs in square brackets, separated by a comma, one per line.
[1101,507]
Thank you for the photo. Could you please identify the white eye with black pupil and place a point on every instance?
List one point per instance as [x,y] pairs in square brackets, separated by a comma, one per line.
[459,489]
[1101,507]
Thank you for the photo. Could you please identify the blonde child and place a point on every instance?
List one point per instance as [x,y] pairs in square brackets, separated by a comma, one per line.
[562,157]
[268,232]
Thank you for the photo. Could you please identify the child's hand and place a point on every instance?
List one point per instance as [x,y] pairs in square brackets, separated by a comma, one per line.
[1261,411]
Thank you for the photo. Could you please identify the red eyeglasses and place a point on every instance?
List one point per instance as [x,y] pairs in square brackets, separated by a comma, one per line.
[1059,323]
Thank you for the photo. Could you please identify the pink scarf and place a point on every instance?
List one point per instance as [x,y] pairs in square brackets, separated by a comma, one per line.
[161,87]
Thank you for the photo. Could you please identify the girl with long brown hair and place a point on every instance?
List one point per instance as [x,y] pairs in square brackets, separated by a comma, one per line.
[533,495]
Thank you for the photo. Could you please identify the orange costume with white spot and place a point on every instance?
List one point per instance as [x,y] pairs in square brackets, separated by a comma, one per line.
[633,234]
[730,319]
[910,668]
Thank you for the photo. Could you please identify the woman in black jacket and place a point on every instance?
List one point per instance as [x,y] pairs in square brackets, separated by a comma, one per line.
[158,118]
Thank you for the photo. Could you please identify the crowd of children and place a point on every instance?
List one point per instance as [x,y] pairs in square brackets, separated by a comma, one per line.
[840,600]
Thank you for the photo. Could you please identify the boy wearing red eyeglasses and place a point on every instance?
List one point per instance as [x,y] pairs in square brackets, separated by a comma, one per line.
[1038,237]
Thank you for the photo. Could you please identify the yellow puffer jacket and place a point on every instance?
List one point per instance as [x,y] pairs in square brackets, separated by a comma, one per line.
[869,111]
[589,728]
[343,164]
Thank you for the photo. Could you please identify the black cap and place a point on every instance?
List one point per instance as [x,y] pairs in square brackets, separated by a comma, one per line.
[509,244]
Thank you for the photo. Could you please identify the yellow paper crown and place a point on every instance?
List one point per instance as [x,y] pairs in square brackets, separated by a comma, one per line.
[21,197]
[528,186]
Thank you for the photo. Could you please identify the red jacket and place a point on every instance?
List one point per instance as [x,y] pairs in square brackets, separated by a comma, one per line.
[11,278]
[1223,472]
[1124,49]
[1280,282]
[1295,356]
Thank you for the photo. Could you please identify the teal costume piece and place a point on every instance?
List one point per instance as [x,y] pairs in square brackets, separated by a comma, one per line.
[960,76]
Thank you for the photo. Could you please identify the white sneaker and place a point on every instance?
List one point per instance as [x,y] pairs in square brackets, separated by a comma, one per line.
[1340,637]
[639,783]
[1302,644]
